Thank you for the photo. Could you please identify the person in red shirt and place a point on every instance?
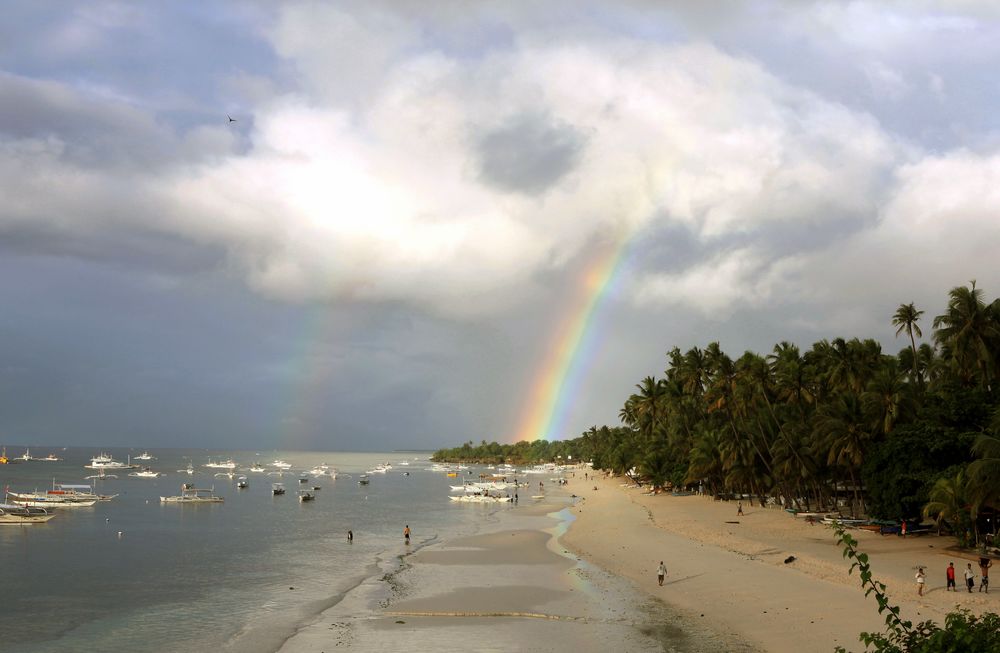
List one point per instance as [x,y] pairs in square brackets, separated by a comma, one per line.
[951,578]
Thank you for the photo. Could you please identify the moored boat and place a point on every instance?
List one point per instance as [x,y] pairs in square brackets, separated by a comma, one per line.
[190,495]
[277,488]
[12,514]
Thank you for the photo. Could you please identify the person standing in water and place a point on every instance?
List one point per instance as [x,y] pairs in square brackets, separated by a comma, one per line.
[350,537]
[661,572]
[406,534]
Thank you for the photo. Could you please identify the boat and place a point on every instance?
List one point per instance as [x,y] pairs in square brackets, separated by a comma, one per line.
[106,461]
[3,457]
[11,514]
[100,475]
[280,464]
[363,479]
[257,467]
[242,483]
[188,470]
[145,472]
[306,495]
[277,488]
[230,474]
[45,500]
[51,458]
[480,498]
[26,456]
[224,464]
[144,456]
[303,478]
[193,495]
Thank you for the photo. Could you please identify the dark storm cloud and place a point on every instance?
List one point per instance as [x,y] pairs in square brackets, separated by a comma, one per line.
[529,153]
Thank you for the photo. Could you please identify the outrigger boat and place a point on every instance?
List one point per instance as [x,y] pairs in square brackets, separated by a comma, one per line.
[480,498]
[225,464]
[257,467]
[144,456]
[60,496]
[11,514]
[306,495]
[193,495]
[363,479]
[277,488]
[145,472]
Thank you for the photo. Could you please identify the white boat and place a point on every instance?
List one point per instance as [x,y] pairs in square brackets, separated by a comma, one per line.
[144,456]
[257,467]
[106,461]
[363,479]
[224,464]
[45,500]
[303,478]
[230,475]
[277,488]
[403,462]
[242,483]
[11,514]
[306,495]
[281,464]
[26,456]
[100,475]
[51,458]
[479,498]
[188,470]
[193,495]
[320,470]
[145,472]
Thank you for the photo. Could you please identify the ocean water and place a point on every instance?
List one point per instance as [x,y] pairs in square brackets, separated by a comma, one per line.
[138,575]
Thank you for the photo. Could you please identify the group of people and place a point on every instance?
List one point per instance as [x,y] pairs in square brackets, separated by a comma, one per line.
[970,577]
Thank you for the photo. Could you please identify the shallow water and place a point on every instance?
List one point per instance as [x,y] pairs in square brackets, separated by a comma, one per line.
[208,577]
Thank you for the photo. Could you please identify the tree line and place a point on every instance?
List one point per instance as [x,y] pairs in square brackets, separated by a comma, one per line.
[909,435]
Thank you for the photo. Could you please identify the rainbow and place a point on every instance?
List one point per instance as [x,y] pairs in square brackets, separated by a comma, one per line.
[575,345]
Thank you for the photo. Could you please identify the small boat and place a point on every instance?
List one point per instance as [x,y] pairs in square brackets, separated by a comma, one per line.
[277,488]
[144,456]
[304,478]
[317,487]
[230,474]
[320,470]
[257,467]
[191,495]
[11,514]
[363,479]
[224,464]
[188,470]
[281,464]
[106,461]
[242,483]
[51,458]
[306,495]
[26,456]
[100,476]
[145,472]
[480,498]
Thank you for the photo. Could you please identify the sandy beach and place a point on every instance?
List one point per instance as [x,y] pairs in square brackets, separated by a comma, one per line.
[729,570]
[578,573]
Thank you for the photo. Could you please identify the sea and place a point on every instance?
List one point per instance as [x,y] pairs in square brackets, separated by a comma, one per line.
[135,574]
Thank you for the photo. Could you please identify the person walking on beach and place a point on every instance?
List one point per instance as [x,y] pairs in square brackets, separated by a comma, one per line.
[661,572]
[920,581]
[406,534]
[951,578]
[970,577]
[739,509]
[984,568]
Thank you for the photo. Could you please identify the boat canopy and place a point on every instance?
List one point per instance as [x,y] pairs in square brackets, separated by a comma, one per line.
[67,486]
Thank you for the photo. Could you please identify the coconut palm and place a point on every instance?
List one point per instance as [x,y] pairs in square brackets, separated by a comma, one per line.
[905,319]
[950,505]
[967,332]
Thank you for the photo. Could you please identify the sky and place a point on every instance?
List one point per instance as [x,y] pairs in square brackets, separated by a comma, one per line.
[405,225]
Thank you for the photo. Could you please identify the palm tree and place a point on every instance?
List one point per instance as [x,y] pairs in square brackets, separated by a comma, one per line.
[966,332]
[949,504]
[905,319]
[841,431]
[984,473]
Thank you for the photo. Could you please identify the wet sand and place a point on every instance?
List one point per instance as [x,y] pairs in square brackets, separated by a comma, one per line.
[514,587]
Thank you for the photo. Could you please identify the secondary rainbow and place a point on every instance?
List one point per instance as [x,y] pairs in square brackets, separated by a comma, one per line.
[576,342]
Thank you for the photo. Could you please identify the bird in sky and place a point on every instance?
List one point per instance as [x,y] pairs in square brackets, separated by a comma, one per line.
[231,119]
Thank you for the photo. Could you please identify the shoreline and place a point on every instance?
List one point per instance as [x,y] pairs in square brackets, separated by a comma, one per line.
[512,586]
[729,570]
